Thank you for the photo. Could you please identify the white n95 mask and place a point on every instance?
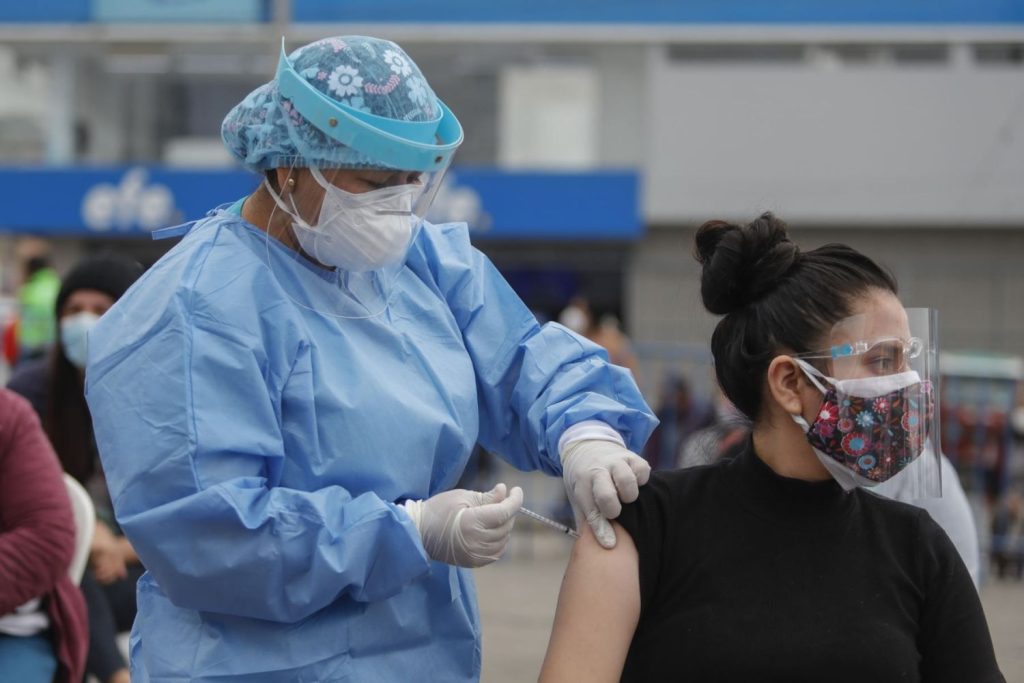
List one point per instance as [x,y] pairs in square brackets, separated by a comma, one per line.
[74,333]
[358,232]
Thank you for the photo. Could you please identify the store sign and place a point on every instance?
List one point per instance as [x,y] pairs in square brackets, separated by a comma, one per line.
[134,201]
[111,201]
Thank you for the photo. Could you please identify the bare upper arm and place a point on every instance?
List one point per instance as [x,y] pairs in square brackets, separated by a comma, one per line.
[598,610]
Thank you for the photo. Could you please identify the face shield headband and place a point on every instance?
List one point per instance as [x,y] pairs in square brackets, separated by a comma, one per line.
[426,146]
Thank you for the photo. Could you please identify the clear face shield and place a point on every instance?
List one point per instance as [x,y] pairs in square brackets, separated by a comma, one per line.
[339,236]
[878,422]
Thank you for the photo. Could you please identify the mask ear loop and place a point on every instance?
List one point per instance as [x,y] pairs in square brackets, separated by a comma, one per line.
[277,200]
[278,204]
[320,179]
[294,214]
[810,371]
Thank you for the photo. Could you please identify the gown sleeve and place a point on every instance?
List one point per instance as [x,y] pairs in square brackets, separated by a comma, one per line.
[533,381]
[186,409]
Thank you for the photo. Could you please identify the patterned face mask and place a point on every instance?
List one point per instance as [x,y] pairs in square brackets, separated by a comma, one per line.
[869,429]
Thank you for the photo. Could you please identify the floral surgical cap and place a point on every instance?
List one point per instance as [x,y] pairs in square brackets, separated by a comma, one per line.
[373,75]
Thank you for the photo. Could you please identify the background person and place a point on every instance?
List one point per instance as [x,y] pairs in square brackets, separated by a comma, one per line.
[55,386]
[1007,552]
[681,415]
[36,297]
[781,544]
[43,629]
[284,401]
[606,332]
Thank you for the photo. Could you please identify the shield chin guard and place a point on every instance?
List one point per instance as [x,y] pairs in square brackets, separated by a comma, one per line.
[883,367]
[423,149]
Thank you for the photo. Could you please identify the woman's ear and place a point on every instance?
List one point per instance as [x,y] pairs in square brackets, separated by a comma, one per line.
[786,384]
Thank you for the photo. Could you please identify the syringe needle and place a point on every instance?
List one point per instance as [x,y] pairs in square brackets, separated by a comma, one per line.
[549,522]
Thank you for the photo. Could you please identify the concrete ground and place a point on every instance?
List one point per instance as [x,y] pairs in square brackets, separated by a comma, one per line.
[517,604]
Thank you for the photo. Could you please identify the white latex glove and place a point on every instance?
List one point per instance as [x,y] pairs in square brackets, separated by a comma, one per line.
[466,528]
[598,474]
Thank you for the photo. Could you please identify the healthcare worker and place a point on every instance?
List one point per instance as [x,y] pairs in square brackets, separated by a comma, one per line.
[284,401]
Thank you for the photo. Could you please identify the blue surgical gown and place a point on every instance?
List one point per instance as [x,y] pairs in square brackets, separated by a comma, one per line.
[255,451]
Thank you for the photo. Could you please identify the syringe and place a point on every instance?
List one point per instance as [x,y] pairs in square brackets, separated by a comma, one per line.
[549,522]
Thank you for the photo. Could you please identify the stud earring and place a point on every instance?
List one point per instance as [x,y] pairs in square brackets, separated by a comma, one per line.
[291,183]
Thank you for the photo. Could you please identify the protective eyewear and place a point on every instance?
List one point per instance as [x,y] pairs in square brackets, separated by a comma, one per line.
[885,355]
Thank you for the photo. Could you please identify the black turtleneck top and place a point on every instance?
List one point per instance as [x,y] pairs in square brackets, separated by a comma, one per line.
[746,576]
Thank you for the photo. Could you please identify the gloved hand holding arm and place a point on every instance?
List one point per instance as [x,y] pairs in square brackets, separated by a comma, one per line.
[535,384]
[599,472]
[542,388]
[466,528]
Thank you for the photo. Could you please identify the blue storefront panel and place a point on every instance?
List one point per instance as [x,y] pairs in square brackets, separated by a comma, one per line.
[147,11]
[840,12]
[133,201]
[665,11]
[142,11]
[55,11]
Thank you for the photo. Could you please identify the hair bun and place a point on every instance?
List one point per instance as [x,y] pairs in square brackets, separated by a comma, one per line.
[742,263]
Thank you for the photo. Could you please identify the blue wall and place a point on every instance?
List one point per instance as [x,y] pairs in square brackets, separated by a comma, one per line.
[220,11]
[74,11]
[78,11]
[498,11]
[131,201]
[666,11]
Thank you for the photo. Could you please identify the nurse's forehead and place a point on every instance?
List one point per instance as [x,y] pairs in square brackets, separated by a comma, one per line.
[876,314]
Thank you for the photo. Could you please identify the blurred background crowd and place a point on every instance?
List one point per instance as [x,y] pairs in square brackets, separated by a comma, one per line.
[599,134]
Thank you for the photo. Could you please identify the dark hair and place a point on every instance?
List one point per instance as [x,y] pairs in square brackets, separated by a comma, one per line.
[271,175]
[107,272]
[773,297]
[36,263]
[67,421]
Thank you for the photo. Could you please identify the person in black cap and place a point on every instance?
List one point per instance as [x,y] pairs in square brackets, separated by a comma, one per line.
[54,385]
